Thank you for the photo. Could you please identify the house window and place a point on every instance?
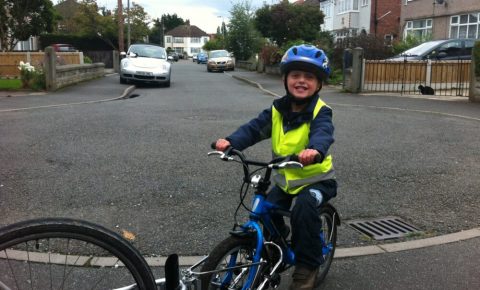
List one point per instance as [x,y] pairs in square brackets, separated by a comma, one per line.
[325,8]
[421,28]
[195,40]
[346,6]
[205,39]
[465,26]
[169,39]
[195,50]
[364,2]
[178,39]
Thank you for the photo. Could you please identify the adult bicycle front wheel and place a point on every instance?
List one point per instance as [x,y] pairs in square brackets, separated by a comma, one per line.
[58,253]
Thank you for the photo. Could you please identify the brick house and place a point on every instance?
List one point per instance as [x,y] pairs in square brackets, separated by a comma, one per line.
[441,19]
[346,18]
[187,39]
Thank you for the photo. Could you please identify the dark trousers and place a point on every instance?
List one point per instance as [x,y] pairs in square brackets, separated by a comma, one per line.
[305,221]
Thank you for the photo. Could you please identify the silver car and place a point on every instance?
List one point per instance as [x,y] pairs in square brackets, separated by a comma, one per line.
[145,63]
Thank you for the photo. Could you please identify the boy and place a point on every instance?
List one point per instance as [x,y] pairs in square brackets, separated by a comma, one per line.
[298,123]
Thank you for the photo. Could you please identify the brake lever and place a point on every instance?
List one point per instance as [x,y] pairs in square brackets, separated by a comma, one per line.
[222,155]
[286,164]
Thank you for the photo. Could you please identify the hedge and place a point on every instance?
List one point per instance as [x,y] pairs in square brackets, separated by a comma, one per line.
[81,43]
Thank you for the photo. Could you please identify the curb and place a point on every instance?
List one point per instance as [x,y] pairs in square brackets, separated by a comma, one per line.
[125,93]
[341,253]
[255,84]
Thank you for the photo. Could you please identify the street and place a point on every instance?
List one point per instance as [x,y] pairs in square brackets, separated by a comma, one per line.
[141,165]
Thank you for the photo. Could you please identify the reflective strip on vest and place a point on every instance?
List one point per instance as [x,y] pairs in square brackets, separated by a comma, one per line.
[293,180]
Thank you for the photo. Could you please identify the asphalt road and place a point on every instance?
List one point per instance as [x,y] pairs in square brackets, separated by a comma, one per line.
[140,164]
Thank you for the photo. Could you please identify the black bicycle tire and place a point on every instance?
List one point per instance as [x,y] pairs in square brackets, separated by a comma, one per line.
[219,252]
[332,228]
[81,230]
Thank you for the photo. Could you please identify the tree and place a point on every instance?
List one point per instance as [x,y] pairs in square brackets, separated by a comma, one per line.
[139,20]
[156,34]
[243,39]
[24,18]
[171,21]
[285,22]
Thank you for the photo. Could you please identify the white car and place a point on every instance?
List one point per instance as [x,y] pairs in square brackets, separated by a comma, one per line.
[145,63]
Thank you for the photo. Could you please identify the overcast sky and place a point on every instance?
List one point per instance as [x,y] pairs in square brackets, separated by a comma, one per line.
[202,13]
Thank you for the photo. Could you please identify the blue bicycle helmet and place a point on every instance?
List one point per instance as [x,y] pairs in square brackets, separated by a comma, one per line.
[306,58]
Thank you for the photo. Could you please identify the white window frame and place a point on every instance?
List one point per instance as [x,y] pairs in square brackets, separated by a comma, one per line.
[346,6]
[427,29]
[178,39]
[365,2]
[456,24]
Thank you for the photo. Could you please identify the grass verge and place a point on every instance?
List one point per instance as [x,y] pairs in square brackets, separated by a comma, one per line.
[10,84]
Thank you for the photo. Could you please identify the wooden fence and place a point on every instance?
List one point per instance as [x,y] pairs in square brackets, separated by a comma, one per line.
[9,61]
[445,77]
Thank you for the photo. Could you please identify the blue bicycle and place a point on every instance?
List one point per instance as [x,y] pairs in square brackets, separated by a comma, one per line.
[255,253]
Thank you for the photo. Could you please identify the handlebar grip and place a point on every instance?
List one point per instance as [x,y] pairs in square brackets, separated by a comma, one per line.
[318,158]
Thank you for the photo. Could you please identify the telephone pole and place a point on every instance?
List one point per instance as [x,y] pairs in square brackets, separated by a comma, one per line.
[120,27]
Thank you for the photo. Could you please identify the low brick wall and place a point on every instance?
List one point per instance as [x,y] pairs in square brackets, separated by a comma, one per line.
[71,74]
[9,61]
[273,69]
[246,65]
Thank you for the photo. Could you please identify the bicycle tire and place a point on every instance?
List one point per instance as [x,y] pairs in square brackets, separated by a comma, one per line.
[329,232]
[33,255]
[218,258]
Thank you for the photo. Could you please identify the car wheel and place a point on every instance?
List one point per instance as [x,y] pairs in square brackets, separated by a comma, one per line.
[167,84]
[123,80]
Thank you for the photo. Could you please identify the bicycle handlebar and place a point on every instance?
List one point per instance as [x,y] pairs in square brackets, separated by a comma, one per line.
[232,151]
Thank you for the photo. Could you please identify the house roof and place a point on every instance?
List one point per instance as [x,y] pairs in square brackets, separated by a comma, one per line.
[186,31]
[307,2]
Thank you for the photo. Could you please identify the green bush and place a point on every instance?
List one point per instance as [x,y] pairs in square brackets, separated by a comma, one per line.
[32,78]
[86,59]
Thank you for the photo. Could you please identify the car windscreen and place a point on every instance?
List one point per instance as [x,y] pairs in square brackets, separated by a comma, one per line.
[420,49]
[221,53]
[148,51]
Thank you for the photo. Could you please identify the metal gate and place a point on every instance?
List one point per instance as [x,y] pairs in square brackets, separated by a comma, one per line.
[441,77]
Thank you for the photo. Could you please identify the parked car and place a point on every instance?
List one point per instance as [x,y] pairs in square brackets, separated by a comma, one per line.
[173,56]
[63,47]
[448,49]
[194,57]
[220,60]
[202,57]
[145,63]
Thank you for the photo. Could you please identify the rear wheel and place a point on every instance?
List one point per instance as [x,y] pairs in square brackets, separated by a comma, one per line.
[329,240]
[68,254]
[231,252]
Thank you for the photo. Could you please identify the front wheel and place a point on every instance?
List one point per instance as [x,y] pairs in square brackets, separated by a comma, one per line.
[69,254]
[231,252]
[328,236]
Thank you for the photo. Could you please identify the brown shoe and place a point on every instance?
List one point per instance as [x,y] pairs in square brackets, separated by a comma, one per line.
[303,278]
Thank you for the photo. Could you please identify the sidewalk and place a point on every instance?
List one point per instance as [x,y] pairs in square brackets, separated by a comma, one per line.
[273,85]
[99,90]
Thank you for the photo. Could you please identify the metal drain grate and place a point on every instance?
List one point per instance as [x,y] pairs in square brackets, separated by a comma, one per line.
[383,228]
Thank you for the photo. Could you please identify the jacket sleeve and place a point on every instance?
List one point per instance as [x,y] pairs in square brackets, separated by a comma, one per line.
[256,130]
[321,131]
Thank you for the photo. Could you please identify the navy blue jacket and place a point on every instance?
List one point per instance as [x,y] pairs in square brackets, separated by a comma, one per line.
[260,128]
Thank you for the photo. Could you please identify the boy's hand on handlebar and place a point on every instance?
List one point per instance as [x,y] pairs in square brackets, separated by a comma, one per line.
[222,145]
[307,156]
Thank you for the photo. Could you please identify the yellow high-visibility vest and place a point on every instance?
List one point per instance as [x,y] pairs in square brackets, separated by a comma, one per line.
[293,180]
